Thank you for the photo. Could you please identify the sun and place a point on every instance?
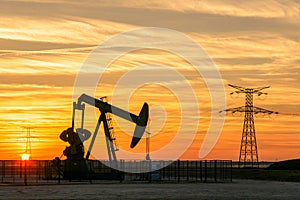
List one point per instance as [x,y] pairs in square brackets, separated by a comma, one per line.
[25,156]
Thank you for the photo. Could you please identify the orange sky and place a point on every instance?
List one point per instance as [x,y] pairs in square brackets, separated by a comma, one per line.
[43,44]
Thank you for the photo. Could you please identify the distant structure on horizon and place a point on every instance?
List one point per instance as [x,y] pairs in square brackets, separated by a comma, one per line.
[27,137]
[248,150]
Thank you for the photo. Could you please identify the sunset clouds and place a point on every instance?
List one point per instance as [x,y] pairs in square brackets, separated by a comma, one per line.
[44,43]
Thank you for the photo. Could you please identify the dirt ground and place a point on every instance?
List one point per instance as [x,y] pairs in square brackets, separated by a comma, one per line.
[239,189]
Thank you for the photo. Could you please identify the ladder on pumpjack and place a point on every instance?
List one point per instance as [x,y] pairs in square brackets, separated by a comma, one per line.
[109,120]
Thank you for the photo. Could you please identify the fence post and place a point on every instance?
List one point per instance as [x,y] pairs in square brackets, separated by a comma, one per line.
[187,170]
[196,162]
[230,170]
[201,171]
[223,170]
[168,171]
[205,171]
[39,170]
[20,168]
[215,170]
[59,172]
[162,168]
[178,171]
[89,163]
[25,172]
[3,168]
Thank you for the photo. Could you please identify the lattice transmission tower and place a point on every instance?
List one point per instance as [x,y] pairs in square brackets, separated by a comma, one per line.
[248,150]
[28,140]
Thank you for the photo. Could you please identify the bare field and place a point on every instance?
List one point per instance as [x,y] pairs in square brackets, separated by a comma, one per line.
[239,189]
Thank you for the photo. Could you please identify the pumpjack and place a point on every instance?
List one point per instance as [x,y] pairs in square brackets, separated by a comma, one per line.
[77,165]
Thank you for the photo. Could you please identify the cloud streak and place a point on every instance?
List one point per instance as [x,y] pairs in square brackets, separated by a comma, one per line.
[44,43]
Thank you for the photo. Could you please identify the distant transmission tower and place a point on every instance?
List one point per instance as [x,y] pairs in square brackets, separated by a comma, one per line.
[28,138]
[248,150]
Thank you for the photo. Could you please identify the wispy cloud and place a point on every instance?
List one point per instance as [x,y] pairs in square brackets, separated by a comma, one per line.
[44,43]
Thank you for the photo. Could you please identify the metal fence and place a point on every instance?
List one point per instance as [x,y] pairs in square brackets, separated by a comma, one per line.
[51,172]
[184,171]
[24,172]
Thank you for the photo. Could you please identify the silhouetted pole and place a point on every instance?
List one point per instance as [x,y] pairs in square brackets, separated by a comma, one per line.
[25,172]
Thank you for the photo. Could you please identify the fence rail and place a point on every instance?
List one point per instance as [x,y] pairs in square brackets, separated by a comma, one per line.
[50,172]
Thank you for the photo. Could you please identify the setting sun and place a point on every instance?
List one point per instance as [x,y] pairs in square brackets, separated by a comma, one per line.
[41,53]
[25,156]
